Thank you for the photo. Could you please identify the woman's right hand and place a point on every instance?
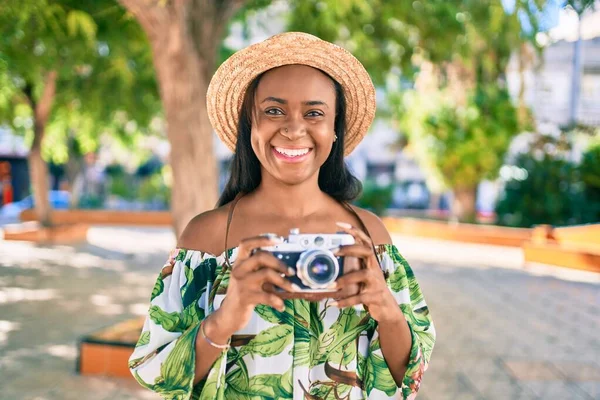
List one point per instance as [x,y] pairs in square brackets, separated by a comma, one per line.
[252,275]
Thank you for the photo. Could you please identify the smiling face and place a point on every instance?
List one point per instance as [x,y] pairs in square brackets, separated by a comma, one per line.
[293,122]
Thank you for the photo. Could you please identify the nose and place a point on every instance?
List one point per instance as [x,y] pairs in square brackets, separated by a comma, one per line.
[296,128]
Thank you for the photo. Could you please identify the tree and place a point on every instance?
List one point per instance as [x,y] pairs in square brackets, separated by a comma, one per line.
[460,119]
[67,68]
[185,37]
[580,7]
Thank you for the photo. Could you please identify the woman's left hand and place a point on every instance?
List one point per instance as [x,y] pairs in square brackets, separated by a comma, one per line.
[374,294]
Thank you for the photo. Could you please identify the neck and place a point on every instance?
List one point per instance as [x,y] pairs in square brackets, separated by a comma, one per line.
[291,201]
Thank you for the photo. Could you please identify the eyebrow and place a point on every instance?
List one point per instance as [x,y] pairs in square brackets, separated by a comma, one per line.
[306,103]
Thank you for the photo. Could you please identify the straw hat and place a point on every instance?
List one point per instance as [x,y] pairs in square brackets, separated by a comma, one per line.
[230,82]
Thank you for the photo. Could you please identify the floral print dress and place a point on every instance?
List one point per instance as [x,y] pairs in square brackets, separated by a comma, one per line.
[311,350]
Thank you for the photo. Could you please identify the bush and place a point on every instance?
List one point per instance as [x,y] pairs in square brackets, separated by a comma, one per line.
[549,192]
[154,189]
[590,174]
[375,197]
[552,190]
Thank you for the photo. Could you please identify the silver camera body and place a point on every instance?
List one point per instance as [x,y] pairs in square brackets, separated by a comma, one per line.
[311,256]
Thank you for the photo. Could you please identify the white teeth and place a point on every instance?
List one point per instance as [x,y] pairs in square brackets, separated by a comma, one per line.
[291,152]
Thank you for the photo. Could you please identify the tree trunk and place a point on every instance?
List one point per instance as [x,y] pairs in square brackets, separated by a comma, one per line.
[38,169]
[185,37]
[464,204]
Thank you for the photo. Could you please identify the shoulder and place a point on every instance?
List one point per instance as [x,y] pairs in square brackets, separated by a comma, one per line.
[206,231]
[375,226]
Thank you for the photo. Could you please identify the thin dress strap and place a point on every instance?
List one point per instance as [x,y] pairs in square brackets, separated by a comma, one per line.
[229,218]
[363,227]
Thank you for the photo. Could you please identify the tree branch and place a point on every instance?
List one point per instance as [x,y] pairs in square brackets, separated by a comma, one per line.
[208,21]
[28,92]
[44,105]
[151,14]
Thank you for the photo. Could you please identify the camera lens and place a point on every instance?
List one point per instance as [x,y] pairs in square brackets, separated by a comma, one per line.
[321,269]
[317,268]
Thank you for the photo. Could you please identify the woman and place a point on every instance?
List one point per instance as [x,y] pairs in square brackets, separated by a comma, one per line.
[290,107]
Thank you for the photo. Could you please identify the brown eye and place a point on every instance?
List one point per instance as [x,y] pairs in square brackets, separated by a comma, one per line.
[273,111]
[314,114]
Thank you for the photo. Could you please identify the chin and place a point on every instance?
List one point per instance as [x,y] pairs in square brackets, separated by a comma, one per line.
[290,177]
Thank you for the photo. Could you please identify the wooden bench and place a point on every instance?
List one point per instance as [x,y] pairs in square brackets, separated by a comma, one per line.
[106,352]
[575,247]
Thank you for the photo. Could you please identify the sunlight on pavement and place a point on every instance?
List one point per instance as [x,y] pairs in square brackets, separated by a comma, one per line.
[15,294]
[5,328]
[63,351]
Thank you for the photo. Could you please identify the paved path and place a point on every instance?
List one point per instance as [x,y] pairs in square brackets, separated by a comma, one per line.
[504,332]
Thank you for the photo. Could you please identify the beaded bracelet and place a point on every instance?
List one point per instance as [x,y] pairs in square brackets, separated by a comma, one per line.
[213,344]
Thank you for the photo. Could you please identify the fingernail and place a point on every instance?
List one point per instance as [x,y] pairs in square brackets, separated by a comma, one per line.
[344,225]
[291,271]
[336,250]
[334,285]
[296,288]
[334,303]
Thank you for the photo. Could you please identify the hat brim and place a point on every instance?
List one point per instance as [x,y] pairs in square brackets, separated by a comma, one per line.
[231,80]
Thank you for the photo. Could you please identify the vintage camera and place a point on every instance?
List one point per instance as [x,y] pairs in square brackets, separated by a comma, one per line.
[311,255]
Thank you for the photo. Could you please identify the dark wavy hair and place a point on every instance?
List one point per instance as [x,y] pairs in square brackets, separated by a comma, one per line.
[334,177]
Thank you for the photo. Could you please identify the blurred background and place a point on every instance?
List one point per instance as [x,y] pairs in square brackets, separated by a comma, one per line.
[483,161]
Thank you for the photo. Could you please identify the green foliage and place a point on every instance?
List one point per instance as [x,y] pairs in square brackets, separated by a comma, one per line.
[122,186]
[382,34]
[590,175]
[105,74]
[460,119]
[590,166]
[375,198]
[154,188]
[580,6]
[396,35]
[460,144]
[551,193]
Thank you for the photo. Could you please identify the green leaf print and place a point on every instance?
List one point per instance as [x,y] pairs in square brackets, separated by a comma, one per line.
[301,352]
[343,355]
[237,381]
[159,287]
[267,313]
[178,368]
[343,331]
[316,321]
[176,322]
[397,280]
[269,342]
[189,277]
[211,391]
[181,255]
[378,376]
[190,315]
[266,385]
[286,386]
[169,321]
[302,312]
[322,391]
[144,339]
